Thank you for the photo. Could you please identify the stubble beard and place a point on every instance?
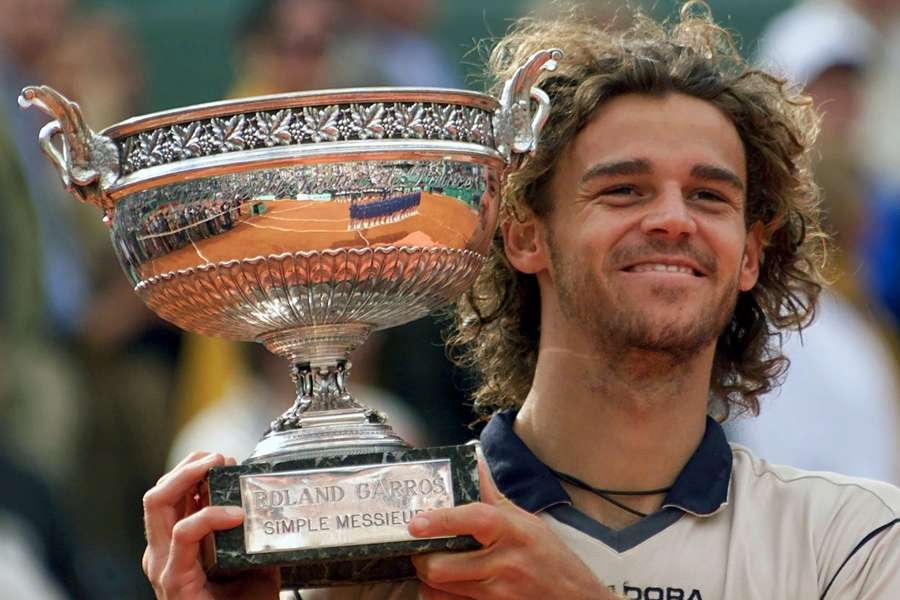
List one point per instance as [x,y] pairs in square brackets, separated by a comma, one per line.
[620,327]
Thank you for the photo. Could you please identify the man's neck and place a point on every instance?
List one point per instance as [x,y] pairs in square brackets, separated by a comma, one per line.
[628,422]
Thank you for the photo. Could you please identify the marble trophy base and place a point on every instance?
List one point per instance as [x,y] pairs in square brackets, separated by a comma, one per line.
[225,553]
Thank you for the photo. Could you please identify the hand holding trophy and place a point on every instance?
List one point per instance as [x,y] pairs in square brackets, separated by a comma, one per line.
[304,222]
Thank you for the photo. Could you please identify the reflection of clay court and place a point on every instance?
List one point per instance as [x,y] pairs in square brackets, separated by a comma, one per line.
[280,226]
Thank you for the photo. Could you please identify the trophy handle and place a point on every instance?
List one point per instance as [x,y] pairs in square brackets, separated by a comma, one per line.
[88,163]
[516,130]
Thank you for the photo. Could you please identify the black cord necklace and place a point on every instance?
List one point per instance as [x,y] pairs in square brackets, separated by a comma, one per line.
[605,494]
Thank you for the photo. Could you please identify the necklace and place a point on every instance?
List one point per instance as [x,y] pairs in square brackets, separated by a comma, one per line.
[605,494]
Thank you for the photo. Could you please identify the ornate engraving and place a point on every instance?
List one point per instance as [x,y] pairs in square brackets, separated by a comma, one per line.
[186,140]
[407,121]
[152,145]
[320,124]
[325,384]
[273,129]
[228,134]
[245,299]
[367,120]
[446,120]
[307,125]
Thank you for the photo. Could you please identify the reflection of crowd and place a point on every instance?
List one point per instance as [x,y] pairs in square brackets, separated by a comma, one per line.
[170,227]
[377,210]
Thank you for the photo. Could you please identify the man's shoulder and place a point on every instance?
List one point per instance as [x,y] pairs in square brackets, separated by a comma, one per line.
[793,487]
[829,514]
[846,528]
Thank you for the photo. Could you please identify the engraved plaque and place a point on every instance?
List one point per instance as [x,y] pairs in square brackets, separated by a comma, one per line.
[342,506]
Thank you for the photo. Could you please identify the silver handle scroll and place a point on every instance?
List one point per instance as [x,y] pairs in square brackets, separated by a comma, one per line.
[516,129]
[87,163]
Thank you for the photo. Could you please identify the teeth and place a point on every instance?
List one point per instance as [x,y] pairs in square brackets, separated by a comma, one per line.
[647,267]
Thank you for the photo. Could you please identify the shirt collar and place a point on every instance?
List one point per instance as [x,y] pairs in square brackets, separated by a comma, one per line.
[700,489]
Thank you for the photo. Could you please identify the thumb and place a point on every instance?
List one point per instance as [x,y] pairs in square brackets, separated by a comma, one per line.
[489,492]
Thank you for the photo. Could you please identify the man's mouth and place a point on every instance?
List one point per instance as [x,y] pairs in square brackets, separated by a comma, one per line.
[653,267]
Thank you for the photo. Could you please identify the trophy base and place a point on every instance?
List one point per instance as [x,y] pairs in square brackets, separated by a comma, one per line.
[340,519]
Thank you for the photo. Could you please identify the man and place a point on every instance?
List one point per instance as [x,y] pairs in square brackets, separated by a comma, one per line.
[652,250]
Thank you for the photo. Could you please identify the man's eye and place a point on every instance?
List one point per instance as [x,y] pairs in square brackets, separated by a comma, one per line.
[619,190]
[709,196]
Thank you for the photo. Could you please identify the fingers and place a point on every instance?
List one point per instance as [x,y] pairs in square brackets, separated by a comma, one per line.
[479,520]
[173,486]
[190,531]
[189,458]
[447,567]
[166,503]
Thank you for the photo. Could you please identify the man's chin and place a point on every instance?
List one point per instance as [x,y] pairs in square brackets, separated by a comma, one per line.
[682,335]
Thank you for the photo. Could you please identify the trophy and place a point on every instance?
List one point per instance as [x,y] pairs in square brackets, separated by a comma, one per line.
[304,221]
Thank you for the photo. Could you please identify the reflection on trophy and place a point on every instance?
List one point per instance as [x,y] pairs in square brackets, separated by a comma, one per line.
[304,222]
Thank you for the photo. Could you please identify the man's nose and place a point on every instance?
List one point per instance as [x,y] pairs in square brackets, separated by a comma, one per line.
[669,215]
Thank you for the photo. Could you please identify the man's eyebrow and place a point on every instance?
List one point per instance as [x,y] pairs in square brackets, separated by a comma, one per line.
[637,166]
[713,173]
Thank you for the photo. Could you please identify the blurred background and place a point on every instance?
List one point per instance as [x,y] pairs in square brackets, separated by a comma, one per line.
[98,397]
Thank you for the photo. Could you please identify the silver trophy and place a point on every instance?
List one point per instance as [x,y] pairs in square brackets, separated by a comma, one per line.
[305,221]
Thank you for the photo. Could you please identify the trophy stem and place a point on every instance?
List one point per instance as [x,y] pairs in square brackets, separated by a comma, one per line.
[322,398]
[324,416]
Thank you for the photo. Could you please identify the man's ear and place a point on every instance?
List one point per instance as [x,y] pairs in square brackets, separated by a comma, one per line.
[753,254]
[524,244]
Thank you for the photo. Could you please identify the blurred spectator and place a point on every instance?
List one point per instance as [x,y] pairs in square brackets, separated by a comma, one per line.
[284,47]
[881,153]
[94,60]
[37,556]
[28,32]
[90,367]
[42,278]
[386,42]
[842,382]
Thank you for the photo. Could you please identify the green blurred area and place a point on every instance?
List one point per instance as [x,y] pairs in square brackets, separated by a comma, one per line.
[187,47]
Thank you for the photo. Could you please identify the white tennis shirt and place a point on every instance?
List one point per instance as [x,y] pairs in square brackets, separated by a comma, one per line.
[732,527]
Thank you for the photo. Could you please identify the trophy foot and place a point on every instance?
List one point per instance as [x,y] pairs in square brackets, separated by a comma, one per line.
[327,433]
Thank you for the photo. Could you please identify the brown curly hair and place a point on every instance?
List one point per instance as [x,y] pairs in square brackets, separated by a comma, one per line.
[496,326]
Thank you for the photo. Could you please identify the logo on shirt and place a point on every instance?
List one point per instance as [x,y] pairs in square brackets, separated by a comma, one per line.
[656,593]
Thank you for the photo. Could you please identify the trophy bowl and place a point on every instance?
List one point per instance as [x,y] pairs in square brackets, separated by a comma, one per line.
[305,221]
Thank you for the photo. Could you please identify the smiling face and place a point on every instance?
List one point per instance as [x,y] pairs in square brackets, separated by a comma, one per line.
[645,246]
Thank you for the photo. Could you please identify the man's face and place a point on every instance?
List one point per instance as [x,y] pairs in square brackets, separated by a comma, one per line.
[646,238]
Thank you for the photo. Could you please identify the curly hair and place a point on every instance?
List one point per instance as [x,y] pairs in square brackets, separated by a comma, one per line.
[496,325]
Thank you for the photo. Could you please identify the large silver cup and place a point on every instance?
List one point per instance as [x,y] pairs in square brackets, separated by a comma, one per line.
[305,221]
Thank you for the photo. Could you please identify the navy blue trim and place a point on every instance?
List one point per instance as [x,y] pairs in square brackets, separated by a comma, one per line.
[702,486]
[620,540]
[518,473]
[862,543]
